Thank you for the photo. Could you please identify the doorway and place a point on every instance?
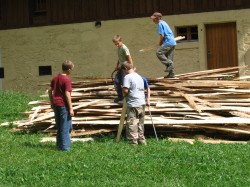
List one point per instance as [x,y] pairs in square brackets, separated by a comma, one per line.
[221,40]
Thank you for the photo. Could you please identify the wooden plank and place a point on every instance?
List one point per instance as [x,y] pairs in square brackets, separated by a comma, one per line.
[191,102]
[233,90]
[94,88]
[176,86]
[156,46]
[207,72]
[53,139]
[35,113]
[240,114]
[229,120]
[206,102]
[51,114]
[122,119]
[192,141]
[225,129]
[166,121]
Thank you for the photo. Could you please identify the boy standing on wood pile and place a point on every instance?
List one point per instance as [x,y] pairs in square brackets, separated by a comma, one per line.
[167,44]
[133,91]
[123,55]
[60,99]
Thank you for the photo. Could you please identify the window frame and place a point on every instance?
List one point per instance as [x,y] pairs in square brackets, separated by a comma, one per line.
[44,70]
[1,73]
[189,34]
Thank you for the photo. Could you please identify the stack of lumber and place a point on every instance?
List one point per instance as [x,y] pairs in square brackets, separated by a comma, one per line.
[212,102]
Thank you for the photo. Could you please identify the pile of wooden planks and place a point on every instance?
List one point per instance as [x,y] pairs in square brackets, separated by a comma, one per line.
[212,103]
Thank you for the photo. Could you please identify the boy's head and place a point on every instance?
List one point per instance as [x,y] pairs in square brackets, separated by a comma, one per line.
[126,66]
[67,66]
[156,17]
[117,40]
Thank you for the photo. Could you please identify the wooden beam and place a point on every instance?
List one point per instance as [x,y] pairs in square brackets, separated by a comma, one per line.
[122,119]
[192,141]
[190,101]
[51,114]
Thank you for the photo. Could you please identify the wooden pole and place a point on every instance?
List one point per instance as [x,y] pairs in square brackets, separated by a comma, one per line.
[122,119]
[154,47]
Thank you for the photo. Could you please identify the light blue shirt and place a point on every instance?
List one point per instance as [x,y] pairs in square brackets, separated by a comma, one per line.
[164,29]
[135,85]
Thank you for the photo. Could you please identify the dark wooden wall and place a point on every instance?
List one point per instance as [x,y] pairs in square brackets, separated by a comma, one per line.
[28,13]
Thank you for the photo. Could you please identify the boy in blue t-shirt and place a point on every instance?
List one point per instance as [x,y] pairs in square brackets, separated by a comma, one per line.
[165,52]
[146,90]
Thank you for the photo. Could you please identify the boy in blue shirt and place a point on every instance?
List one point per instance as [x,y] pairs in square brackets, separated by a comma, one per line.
[146,90]
[167,44]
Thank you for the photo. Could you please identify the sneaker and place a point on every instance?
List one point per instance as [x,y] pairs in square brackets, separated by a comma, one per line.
[170,75]
[166,70]
[169,68]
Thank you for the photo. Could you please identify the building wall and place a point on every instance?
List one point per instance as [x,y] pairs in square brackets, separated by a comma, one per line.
[91,49]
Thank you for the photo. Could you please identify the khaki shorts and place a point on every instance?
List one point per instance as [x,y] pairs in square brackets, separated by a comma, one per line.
[135,125]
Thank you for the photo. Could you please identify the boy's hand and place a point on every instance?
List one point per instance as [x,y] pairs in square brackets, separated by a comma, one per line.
[71,112]
[52,106]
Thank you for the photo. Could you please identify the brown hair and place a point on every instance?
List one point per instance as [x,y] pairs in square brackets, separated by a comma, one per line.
[126,65]
[67,64]
[117,38]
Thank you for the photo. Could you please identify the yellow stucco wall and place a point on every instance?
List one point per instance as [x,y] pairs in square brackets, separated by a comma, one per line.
[22,51]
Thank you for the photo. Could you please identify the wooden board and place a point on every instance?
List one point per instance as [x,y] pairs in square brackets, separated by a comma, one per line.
[122,119]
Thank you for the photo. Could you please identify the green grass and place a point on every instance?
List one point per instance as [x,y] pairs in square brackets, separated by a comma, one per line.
[24,161]
[12,104]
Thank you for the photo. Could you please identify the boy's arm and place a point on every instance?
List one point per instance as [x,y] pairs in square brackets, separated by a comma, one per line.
[148,97]
[50,97]
[69,102]
[125,91]
[161,39]
[129,59]
[117,65]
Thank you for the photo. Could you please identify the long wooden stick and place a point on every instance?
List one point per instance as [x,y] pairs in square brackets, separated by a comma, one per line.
[207,141]
[154,47]
[122,119]
[51,114]
[191,102]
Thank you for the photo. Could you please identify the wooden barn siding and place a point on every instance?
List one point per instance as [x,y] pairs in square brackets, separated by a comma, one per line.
[14,13]
[17,13]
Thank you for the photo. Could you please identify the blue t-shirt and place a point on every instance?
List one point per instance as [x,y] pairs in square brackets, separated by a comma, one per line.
[145,81]
[164,29]
[135,85]
[146,86]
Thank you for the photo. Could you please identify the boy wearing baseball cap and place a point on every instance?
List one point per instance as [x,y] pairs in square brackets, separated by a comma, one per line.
[165,52]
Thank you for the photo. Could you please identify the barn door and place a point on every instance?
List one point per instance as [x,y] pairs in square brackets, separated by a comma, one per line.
[221,45]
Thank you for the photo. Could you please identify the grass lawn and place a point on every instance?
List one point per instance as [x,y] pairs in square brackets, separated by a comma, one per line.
[27,162]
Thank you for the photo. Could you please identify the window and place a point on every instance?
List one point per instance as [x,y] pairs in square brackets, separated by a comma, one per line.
[45,70]
[1,73]
[39,8]
[38,12]
[190,33]
[0,11]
